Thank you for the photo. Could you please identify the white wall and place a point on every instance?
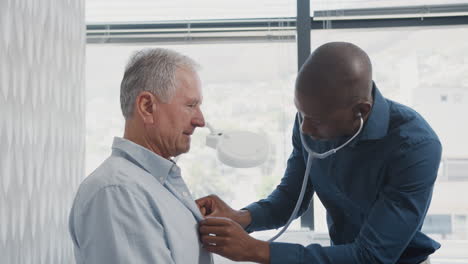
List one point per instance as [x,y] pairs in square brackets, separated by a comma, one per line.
[42,128]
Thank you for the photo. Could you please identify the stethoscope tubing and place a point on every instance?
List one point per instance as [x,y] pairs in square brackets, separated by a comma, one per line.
[311,156]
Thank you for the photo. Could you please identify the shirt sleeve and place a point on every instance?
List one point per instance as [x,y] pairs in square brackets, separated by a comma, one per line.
[275,210]
[117,226]
[393,220]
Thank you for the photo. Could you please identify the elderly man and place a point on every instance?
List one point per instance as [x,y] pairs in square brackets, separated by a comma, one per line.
[376,190]
[135,207]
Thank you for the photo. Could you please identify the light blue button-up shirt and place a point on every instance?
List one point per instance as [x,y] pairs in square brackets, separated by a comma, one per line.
[136,208]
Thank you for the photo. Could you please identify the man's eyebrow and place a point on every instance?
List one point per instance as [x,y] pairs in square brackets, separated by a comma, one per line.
[194,100]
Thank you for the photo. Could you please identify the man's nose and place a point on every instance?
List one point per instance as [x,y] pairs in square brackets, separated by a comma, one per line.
[199,120]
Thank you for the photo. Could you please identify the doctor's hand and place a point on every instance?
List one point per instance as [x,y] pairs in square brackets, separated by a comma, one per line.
[213,206]
[225,237]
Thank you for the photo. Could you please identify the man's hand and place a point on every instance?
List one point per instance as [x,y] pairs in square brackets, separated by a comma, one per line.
[225,237]
[213,206]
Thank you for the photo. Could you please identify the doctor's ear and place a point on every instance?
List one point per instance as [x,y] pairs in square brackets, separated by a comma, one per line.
[362,110]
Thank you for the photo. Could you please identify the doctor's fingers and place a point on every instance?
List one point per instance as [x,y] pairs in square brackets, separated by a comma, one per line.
[216,230]
[216,221]
[209,240]
[216,249]
[202,210]
[204,202]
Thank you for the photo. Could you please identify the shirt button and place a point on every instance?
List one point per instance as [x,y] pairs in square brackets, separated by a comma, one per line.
[185,194]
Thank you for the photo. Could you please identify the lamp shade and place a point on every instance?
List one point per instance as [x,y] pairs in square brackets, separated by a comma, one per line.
[240,149]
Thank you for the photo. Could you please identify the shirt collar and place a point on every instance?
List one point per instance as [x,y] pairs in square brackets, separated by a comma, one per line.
[156,165]
[377,124]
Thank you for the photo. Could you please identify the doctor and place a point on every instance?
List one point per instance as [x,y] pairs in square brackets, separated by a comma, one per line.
[376,189]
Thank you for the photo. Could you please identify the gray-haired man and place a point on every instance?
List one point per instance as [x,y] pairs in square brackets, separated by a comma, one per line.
[135,207]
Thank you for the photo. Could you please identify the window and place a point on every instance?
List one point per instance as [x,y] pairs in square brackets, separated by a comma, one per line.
[359,4]
[249,85]
[438,224]
[146,10]
[246,87]
[424,68]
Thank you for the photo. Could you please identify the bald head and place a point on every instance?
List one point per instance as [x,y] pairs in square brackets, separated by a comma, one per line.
[334,90]
[337,72]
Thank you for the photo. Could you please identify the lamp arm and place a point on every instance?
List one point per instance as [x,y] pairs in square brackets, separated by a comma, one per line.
[210,127]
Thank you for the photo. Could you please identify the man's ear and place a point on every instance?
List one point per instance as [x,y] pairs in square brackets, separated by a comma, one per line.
[145,106]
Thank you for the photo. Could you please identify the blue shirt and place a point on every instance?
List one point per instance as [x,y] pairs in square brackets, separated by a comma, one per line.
[135,208]
[376,191]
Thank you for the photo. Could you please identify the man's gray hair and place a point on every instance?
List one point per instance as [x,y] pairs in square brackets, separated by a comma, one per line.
[152,70]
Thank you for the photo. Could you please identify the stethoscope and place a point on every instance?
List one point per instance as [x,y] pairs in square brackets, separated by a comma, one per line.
[312,155]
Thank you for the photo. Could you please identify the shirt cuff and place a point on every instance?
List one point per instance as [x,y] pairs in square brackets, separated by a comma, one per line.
[258,219]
